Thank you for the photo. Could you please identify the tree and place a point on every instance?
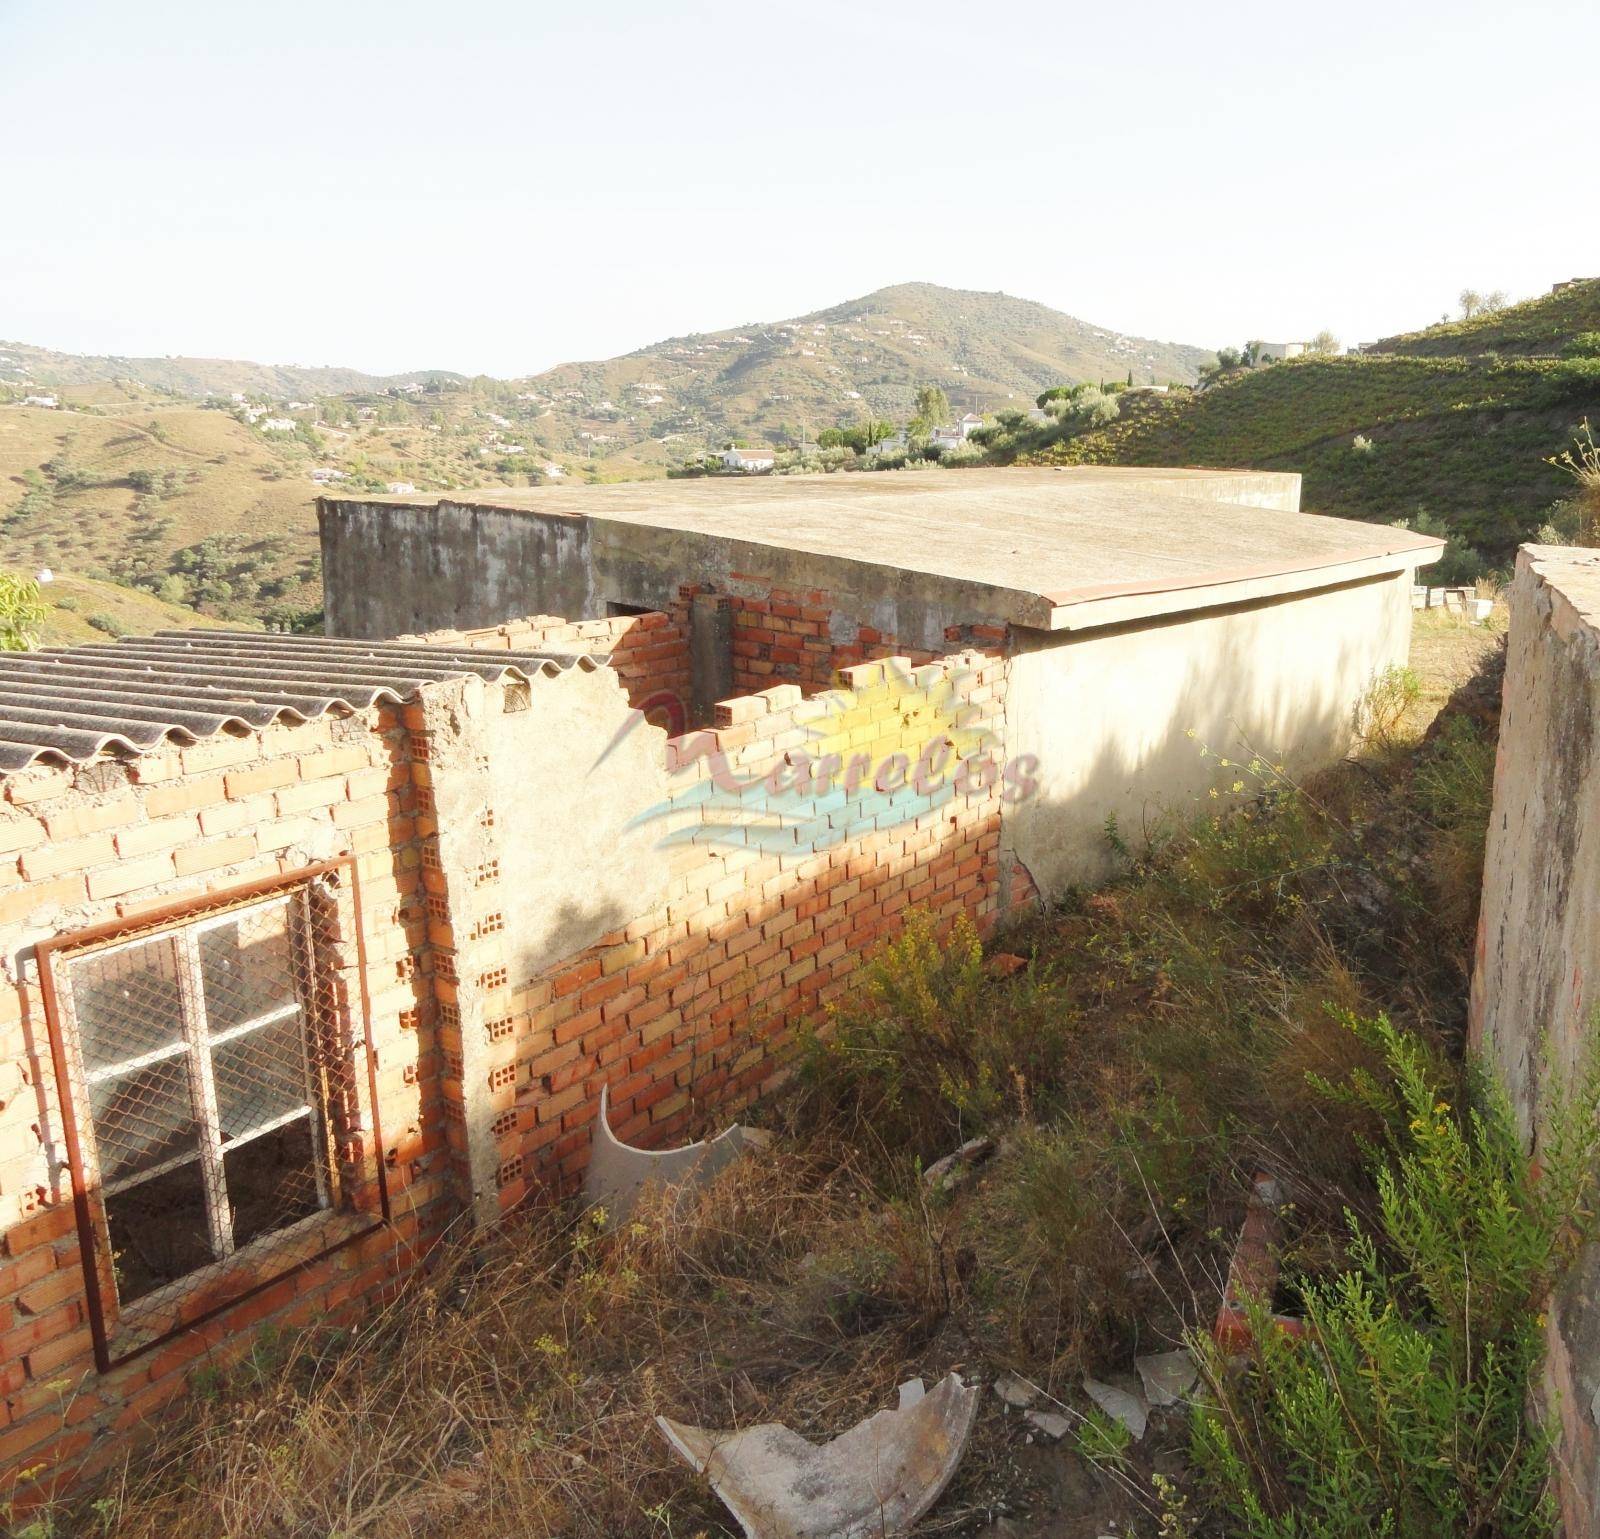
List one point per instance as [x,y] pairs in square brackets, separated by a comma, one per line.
[1325,344]
[932,409]
[1471,302]
[21,612]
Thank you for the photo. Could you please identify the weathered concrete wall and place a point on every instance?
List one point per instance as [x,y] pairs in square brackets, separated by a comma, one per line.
[388,570]
[458,566]
[1116,719]
[1536,985]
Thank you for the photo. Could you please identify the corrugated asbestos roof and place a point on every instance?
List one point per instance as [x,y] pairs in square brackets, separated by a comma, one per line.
[68,704]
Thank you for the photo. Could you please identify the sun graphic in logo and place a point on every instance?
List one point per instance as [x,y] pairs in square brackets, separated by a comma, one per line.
[872,756]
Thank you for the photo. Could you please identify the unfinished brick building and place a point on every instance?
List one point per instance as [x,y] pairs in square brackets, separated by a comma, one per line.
[315,946]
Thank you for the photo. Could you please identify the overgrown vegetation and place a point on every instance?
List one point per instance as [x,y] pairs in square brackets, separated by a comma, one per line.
[1403,1408]
[1137,1053]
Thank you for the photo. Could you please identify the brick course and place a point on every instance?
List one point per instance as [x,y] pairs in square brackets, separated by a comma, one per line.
[803,825]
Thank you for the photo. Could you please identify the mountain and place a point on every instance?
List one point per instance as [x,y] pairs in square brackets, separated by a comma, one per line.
[833,367]
[148,473]
[23,365]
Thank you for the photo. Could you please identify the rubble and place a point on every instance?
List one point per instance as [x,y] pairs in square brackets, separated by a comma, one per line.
[1017,1393]
[1120,1404]
[945,1173]
[873,1482]
[619,1174]
[1167,1376]
[1050,1424]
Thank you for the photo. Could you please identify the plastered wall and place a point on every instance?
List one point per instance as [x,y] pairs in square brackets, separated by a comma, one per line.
[1116,721]
[1536,985]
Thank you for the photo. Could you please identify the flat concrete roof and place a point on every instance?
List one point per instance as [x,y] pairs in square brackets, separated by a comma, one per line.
[1073,546]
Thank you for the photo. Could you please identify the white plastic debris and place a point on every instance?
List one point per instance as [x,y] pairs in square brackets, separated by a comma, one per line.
[620,1174]
[873,1482]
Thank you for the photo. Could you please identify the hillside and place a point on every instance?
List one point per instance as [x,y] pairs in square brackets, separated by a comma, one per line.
[1461,439]
[83,609]
[1538,327]
[833,367]
[199,506]
[21,364]
[150,472]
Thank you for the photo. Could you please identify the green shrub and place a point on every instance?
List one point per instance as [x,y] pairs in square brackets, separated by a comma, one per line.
[1401,1411]
[1585,345]
[21,612]
[924,1054]
[107,623]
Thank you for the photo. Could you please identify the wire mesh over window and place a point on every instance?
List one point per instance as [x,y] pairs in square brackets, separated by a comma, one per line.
[219,1110]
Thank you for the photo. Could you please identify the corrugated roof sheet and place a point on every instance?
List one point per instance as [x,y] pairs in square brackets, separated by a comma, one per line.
[68,704]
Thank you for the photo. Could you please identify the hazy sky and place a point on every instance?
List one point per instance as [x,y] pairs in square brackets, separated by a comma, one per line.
[498,185]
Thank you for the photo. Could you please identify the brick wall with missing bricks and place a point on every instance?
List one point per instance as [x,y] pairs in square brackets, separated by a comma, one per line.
[799,832]
[116,838]
[648,652]
[793,836]
[802,636]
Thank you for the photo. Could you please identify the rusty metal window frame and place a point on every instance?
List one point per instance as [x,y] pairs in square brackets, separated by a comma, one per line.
[328,1229]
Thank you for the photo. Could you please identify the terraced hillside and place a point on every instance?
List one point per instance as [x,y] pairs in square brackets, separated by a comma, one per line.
[199,507]
[1463,439]
[1538,328]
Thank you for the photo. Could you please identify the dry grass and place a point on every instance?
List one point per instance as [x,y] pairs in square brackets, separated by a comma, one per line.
[515,1389]
[1154,1053]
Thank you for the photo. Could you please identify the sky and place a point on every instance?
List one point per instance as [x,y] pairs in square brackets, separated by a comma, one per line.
[496,186]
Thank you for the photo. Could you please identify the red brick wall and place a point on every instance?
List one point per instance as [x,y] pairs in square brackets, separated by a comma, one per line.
[795,844]
[800,636]
[692,1007]
[114,839]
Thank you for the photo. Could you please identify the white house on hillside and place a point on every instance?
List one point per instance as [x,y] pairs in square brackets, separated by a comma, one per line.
[277,424]
[1276,352]
[762,458]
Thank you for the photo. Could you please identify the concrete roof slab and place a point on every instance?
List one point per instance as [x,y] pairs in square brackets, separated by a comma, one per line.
[1065,547]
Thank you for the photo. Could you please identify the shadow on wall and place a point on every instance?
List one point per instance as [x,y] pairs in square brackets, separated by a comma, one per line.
[1134,726]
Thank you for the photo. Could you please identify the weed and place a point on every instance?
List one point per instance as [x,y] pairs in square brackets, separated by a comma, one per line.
[1384,711]
[1402,1410]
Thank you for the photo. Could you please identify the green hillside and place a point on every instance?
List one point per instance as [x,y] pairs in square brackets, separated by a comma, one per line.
[83,609]
[1538,327]
[1465,440]
[834,367]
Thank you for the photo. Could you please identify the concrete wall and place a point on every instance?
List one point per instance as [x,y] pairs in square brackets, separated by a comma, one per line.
[457,566]
[450,566]
[1116,719]
[1536,986]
